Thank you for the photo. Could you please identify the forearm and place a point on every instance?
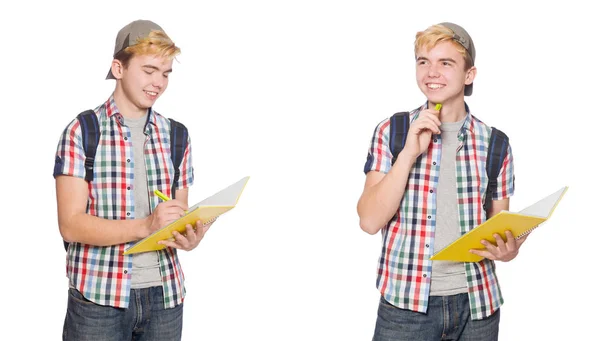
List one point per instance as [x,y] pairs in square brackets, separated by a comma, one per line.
[379,202]
[88,229]
[497,206]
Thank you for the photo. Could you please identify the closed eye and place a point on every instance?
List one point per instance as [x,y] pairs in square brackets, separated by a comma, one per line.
[149,69]
[448,62]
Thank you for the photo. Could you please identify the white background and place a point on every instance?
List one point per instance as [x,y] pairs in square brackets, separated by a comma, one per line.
[289,92]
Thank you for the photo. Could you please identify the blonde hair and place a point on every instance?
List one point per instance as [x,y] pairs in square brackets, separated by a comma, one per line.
[436,34]
[157,42]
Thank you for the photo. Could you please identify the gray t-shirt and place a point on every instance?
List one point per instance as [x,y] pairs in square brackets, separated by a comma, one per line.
[447,278]
[146,271]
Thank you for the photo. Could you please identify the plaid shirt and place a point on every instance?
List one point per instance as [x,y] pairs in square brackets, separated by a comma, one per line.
[103,274]
[404,272]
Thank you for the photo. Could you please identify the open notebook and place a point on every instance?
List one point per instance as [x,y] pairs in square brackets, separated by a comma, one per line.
[206,211]
[519,223]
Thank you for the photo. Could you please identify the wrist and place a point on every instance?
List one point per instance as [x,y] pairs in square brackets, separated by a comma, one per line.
[405,159]
[142,231]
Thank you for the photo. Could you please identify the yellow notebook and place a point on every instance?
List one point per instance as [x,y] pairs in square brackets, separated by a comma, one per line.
[519,223]
[206,210]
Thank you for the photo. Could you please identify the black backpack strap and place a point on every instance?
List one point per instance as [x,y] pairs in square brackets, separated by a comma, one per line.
[497,149]
[90,134]
[399,124]
[179,138]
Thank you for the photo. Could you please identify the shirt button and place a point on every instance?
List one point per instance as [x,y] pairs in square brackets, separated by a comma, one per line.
[428,217]
[434,163]
[424,275]
[128,160]
[128,188]
[128,214]
[430,191]
[125,138]
[125,272]
[434,140]
[426,245]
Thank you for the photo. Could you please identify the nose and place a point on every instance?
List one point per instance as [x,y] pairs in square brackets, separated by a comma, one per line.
[433,71]
[159,81]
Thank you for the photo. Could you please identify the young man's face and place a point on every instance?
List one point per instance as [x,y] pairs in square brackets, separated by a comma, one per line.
[441,74]
[145,79]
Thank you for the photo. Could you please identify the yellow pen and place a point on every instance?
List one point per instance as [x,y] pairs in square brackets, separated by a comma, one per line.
[438,107]
[161,195]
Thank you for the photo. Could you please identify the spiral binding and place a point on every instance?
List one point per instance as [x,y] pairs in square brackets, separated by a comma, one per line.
[210,221]
[526,232]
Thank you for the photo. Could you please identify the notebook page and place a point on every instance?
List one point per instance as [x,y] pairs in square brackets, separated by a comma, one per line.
[544,207]
[225,197]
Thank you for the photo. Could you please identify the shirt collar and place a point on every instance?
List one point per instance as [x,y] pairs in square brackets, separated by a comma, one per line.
[113,111]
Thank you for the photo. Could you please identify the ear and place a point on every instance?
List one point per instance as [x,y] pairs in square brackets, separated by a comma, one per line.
[117,68]
[470,76]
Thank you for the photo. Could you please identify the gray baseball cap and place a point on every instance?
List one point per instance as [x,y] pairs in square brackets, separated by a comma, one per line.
[129,35]
[462,37]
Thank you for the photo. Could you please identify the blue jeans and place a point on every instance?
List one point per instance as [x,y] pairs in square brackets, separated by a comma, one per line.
[447,318]
[145,319]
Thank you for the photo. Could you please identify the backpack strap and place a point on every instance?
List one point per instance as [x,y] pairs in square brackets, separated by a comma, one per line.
[179,139]
[399,124]
[90,134]
[497,149]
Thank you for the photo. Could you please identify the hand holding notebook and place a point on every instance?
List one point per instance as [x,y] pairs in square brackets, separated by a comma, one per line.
[504,248]
[205,211]
[165,213]
[519,223]
[194,232]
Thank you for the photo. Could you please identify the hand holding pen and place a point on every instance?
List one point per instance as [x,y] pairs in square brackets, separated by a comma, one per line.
[165,213]
[193,234]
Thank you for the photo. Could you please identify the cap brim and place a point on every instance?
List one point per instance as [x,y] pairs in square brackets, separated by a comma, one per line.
[468,89]
[110,74]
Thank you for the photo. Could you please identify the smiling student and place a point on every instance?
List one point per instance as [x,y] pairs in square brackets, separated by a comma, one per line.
[106,201]
[430,193]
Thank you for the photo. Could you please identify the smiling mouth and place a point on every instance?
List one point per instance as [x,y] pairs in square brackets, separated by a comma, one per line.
[151,93]
[434,86]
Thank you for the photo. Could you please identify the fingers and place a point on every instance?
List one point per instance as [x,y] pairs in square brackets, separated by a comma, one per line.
[501,246]
[503,250]
[181,241]
[201,228]
[484,253]
[431,113]
[432,119]
[190,239]
[511,243]
[425,123]
[167,212]
[174,204]
[163,219]
[171,207]
[492,250]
